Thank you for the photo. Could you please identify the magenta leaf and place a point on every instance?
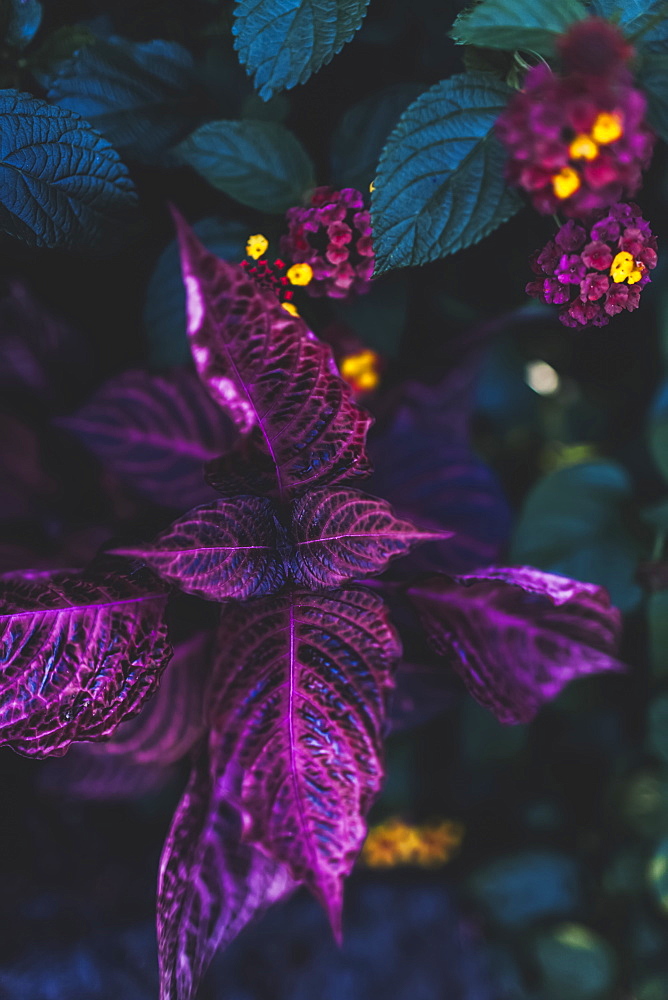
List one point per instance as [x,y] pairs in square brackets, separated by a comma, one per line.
[78,655]
[298,709]
[210,886]
[341,534]
[276,380]
[221,551]
[155,432]
[83,776]
[517,635]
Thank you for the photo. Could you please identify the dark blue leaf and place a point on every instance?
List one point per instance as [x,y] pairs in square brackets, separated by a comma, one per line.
[440,185]
[261,164]
[519,889]
[165,305]
[517,24]
[282,42]
[634,16]
[24,21]
[61,184]
[141,96]
[653,78]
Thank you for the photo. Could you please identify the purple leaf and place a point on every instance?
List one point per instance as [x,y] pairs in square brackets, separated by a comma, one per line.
[23,480]
[517,635]
[82,776]
[77,656]
[210,886]
[155,432]
[221,551]
[342,534]
[276,380]
[298,709]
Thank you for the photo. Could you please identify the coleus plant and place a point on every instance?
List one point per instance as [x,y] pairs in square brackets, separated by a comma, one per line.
[286,723]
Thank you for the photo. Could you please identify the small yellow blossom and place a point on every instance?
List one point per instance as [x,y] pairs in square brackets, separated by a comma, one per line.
[395,842]
[372,187]
[300,274]
[361,370]
[623,267]
[566,182]
[289,307]
[257,246]
[583,147]
[608,127]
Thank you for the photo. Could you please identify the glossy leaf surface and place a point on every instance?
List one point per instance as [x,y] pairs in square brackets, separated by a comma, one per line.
[517,636]
[299,707]
[342,534]
[271,374]
[155,432]
[226,550]
[62,184]
[210,886]
[77,656]
[282,42]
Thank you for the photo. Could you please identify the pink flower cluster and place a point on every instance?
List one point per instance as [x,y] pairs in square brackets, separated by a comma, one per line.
[333,235]
[594,273]
[577,141]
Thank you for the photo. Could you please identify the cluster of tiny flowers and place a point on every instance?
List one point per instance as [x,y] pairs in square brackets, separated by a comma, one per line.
[594,273]
[577,141]
[333,235]
[276,275]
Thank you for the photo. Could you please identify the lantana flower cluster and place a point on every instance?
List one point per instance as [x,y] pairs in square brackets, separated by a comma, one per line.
[597,271]
[275,275]
[333,236]
[578,142]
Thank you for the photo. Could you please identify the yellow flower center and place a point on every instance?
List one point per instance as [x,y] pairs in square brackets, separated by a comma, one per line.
[300,274]
[289,307]
[360,370]
[257,246]
[608,127]
[625,268]
[566,182]
[583,148]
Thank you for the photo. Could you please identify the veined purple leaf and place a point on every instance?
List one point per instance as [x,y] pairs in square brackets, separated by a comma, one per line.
[270,373]
[340,534]
[517,635]
[210,886]
[224,550]
[78,655]
[155,432]
[298,709]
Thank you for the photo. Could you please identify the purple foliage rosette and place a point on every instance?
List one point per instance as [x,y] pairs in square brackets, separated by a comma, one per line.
[596,271]
[333,235]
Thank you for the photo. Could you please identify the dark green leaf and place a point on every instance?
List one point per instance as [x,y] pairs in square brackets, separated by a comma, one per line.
[141,96]
[282,42]
[574,962]
[657,735]
[533,25]
[61,184]
[261,164]
[658,431]
[24,21]
[646,18]
[572,523]
[657,623]
[657,874]
[519,889]
[653,78]
[440,184]
[362,132]
[379,317]
[165,305]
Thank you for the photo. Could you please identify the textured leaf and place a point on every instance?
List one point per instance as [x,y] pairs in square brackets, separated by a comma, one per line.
[272,376]
[141,96]
[210,886]
[165,305]
[342,534]
[78,655]
[226,550]
[24,20]
[61,184]
[572,522]
[282,42]
[518,636]
[533,25]
[299,708]
[633,16]
[440,184]
[260,164]
[155,432]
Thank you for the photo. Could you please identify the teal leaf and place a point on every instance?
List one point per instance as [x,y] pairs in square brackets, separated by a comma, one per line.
[657,874]
[361,134]
[260,164]
[574,962]
[572,523]
[165,304]
[61,183]
[142,96]
[657,626]
[379,317]
[282,42]
[440,185]
[637,16]
[658,430]
[657,728]
[653,78]
[25,18]
[518,889]
[531,25]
